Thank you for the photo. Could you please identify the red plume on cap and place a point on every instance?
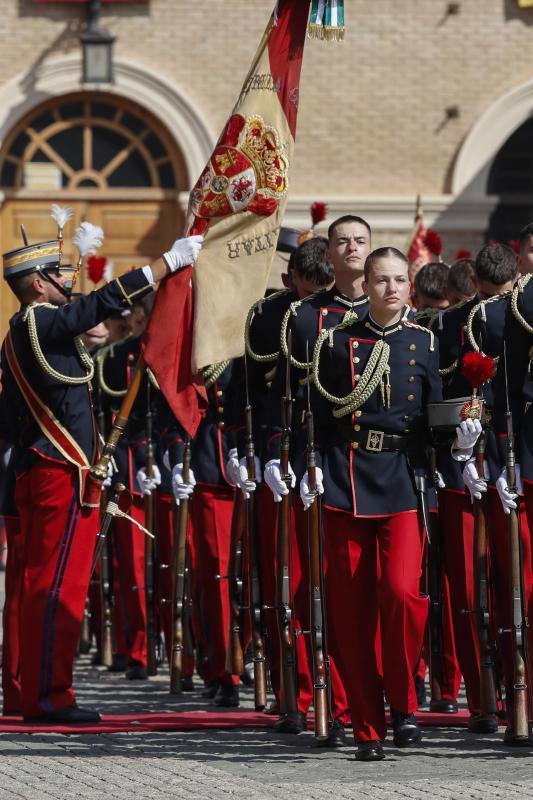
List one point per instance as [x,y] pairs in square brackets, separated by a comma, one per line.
[433,242]
[95,268]
[514,244]
[478,368]
[462,254]
[318,213]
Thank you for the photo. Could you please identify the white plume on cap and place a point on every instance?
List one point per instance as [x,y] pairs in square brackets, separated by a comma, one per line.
[88,238]
[61,215]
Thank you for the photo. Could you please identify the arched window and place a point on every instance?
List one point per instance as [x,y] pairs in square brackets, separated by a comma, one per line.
[511,178]
[81,142]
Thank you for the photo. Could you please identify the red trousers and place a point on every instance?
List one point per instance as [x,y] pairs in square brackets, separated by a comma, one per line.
[458,525]
[267,527]
[501,579]
[375,612]
[211,511]
[10,618]
[165,578]
[130,602]
[58,539]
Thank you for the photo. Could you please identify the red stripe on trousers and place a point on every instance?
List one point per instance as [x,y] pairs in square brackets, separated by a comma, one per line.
[41,500]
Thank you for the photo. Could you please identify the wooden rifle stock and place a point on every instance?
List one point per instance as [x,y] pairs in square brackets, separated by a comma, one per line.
[179,561]
[149,549]
[318,621]
[260,678]
[238,522]
[289,694]
[487,676]
[518,618]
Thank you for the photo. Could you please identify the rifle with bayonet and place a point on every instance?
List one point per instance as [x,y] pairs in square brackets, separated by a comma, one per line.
[289,693]
[487,675]
[316,576]
[519,623]
[149,548]
[256,609]
[179,567]
[235,655]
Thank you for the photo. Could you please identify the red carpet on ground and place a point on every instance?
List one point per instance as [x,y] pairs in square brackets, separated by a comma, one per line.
[190,721]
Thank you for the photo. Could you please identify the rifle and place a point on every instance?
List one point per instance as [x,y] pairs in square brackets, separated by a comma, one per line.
[179,559]
[235,659]
[260,680]
[519,622]
[289,692]
[487,675]
[106,583]
[316,575]
[434,591]
[149,549]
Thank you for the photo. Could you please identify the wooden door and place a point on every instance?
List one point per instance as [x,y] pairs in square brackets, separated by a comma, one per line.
[136,232]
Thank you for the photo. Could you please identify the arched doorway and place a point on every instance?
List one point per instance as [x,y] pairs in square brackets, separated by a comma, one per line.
[510,180]
[110,160]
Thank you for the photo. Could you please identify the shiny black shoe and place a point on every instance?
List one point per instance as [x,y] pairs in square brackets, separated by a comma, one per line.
[210,690]
[443,706]
[227,696]
[68,714]
[420,687]
[369,751]
[405,729]
[483,723]
[120,663]
[272,709]
[187,684]
[294,722]
[247,677]
[136,672]
[336,736]
[512,740]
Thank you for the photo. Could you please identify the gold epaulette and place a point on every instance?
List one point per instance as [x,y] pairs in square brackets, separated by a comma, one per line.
[417,327]
[518,289]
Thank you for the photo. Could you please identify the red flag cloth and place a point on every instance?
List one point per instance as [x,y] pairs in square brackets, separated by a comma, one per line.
[238,204]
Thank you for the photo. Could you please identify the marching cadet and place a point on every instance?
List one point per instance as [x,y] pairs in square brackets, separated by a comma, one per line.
[495,271]
[46,401]
[378,374]
[211,509]
[348,246]
[514,387]
[115,367]
[308,272]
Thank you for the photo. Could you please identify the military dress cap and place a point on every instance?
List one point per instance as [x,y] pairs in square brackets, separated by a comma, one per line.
[23,260]
[445,416]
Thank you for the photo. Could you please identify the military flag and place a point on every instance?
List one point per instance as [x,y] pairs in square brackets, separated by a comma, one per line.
[237,204]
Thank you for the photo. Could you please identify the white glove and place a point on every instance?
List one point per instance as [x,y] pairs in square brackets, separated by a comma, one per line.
[111,469]
[308,497]
[232,466]
[243,481]
[467,433]
[183,252]
[148,484]
[473,482]
[6,456]
[180,489]
[439,480]
[273,480]
[508,499]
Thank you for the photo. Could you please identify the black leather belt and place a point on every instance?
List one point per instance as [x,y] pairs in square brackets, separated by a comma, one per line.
[378,441]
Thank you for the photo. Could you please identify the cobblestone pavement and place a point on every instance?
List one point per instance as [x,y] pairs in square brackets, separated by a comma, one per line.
[254,765]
